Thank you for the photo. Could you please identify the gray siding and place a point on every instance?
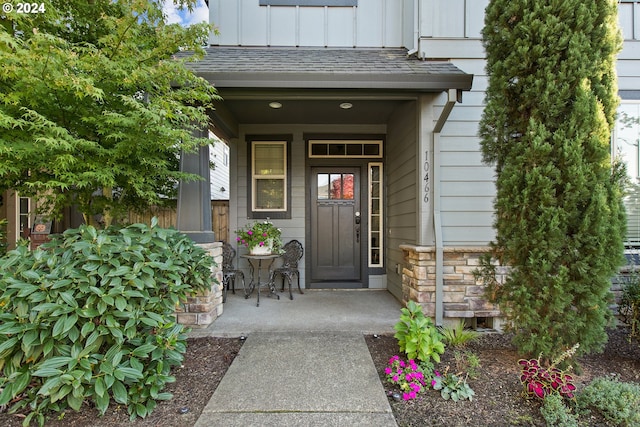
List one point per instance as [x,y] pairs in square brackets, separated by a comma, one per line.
[467,185]
[402,179]
[451,18]
[373,23]
[628,66]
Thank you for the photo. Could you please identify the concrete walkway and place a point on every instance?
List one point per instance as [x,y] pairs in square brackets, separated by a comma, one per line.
[304,362]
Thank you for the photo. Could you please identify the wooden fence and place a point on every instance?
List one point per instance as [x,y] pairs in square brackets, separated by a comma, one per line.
[167,217]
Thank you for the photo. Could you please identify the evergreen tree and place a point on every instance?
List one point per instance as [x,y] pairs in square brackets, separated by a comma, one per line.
[559,220]
[95,107]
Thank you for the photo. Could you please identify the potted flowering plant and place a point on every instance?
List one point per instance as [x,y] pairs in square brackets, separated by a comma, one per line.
[260,237]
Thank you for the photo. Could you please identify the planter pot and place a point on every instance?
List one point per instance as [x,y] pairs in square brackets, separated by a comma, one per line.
[262,250]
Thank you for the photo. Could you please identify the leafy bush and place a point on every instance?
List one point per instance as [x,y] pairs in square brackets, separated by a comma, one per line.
[556,413]
[92,318]
[540,381]
[629,307]
[417,336]
[458,336]
[452,386]
[618,402]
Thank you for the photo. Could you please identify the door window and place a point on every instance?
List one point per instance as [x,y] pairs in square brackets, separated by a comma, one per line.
[335,186]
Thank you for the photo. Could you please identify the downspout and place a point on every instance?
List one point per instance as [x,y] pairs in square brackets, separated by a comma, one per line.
[453,96]
[416,30]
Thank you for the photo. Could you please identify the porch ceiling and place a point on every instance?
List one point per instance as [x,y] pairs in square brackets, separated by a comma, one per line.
[311,83]
[305,107]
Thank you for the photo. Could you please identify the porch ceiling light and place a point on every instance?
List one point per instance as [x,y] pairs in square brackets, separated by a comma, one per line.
[275,105]
[346,105]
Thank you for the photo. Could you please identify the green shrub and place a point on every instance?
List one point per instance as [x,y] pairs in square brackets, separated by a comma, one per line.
[458,336]
[91,318]
[618,402]
[556,413]
[417,336]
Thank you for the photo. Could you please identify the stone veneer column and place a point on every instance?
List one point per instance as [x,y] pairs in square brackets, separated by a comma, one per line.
[463,295]
[201,309]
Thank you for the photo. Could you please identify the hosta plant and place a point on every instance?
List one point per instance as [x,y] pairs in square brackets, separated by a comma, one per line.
[91,318]
[452,386]
[541,381]
[417,336]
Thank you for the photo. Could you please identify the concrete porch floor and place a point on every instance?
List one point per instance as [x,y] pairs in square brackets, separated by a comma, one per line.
[366,311]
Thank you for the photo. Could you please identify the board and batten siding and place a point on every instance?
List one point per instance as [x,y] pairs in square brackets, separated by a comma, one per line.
[401,188]
[373,23]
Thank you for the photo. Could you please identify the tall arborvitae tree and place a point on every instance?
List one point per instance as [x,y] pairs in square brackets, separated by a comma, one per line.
[550,108]
[95,107]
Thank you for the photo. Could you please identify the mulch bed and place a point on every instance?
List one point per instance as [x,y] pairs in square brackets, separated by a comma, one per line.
[498,394]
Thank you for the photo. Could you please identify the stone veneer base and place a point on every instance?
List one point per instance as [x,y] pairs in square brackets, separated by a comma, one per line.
[463,296]
[201,309]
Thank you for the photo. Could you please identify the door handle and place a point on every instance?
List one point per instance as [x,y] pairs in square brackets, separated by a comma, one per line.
[357,217]
[357,220]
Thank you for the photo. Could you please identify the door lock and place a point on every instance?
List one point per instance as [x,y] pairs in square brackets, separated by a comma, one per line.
[357,217]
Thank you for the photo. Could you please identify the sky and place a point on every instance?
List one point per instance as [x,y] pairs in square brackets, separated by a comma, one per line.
[183,17]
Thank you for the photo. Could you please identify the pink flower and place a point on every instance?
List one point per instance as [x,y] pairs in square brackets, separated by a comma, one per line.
[409,396]
[250,233]
[433,383]
[395,378]
[264,234]
[393,359]
[261,243]
[387,371]
[402,363]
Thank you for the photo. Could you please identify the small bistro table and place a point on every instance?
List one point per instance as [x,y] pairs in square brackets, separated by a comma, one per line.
[257,261]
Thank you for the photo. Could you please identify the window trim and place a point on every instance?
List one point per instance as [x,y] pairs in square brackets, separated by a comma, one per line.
[253,213]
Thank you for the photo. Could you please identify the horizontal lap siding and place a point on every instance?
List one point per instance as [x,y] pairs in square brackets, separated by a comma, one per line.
[628,66]
[467,184]
[401,176]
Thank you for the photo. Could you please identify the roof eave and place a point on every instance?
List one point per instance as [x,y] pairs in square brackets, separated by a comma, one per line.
[417,82]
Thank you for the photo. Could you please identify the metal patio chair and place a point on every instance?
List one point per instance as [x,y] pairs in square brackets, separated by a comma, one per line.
[293,252]
[230,274]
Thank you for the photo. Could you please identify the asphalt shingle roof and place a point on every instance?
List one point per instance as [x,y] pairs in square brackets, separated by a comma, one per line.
[357,68]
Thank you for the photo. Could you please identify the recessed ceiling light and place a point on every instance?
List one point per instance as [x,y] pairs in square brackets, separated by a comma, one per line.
[275,105]
[346,105]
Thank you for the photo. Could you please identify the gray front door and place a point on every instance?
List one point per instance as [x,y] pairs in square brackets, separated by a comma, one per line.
[335,227]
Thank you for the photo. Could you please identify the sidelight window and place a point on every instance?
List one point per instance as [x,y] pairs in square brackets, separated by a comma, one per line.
[376,234]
